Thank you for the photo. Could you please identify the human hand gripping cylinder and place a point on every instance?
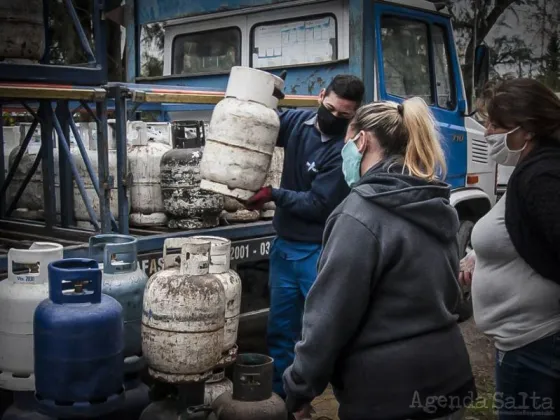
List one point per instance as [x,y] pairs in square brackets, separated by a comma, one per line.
[242,134]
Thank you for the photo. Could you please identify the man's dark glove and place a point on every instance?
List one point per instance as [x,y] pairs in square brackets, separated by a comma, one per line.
[263,196]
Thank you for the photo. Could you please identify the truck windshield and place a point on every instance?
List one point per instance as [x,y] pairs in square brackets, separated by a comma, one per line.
[213,51]
[406,62]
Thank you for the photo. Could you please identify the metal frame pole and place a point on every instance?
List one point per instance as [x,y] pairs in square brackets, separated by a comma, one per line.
[2,168]
[65,171]
[122,160]
[47,167]
[105,179]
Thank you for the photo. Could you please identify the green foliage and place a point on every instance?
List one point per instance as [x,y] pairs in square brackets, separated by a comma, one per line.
[550,72]
[152,40]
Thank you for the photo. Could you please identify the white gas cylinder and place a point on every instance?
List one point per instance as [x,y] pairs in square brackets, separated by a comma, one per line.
[160,132]
[80,210]
[183,315]
[11,137]
[220,256]
[216,386]
[20,294]
[144,156]
[31,203]
[241,135]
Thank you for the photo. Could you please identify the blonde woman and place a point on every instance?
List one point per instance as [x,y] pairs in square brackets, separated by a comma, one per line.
[378,321]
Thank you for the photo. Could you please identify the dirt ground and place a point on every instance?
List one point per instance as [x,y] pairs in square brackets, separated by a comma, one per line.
[481,352]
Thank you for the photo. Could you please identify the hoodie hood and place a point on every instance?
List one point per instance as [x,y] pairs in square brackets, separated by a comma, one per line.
[426,204]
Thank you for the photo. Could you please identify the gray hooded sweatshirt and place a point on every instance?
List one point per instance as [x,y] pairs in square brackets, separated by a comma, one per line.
[378,322]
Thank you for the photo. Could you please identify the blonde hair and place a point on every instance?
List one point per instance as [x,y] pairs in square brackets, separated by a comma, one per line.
[407,130]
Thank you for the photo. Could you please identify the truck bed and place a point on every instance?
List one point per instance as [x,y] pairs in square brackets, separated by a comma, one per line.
[251,244]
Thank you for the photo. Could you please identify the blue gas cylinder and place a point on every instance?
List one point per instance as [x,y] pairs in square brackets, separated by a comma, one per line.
[78,343]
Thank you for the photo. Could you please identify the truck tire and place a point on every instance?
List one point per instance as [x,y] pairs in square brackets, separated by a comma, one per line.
[465,309]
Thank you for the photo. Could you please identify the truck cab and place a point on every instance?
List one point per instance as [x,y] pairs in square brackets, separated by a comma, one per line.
[400,48]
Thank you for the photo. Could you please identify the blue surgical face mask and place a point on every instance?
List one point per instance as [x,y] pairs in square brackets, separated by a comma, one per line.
[351,162]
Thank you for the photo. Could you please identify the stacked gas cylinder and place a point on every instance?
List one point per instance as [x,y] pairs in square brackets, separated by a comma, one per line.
[189,330]
[70,342]
[146,145]
[194,304]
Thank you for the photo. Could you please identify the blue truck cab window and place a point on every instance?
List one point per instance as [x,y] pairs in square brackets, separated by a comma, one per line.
[417,57]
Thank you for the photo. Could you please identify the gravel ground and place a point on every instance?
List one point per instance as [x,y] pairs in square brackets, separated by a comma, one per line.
[481,351]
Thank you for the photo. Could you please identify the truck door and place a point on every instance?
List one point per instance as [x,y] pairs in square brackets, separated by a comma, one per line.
[417,57]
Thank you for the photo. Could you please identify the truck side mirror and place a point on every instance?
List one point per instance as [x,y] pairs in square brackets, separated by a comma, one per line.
[462,106]
[481,66]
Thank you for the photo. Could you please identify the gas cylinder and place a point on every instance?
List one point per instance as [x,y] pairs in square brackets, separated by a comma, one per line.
[252,397]
[184,308]
[160,132]
[79,343]
[144,157]
[124,280]
[185,402]
[24,407]
[6,399]
[216,386]
[220,256]
[20,294]
[137,398]
[273,178]
[187,206]
[235,212]
[11,141]
[240,216]
[31,203]
[22,29]
[80,210]
[242,134]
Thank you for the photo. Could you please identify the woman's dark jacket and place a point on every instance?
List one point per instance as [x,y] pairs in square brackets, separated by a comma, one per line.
[533,209]
[378,322]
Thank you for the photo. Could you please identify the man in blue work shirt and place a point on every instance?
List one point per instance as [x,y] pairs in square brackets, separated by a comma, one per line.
[312,186]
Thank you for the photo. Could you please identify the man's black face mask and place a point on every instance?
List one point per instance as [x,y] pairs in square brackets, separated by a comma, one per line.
[329,124]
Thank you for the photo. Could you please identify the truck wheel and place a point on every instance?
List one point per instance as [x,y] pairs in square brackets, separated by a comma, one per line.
[465,309]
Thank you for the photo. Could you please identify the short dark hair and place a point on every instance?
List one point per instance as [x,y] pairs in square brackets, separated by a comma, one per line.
[347,87]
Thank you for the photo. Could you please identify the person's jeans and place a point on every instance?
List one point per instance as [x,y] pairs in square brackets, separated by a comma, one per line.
[293,269]
[528,381]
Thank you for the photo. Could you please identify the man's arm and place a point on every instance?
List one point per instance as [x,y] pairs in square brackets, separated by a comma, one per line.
[334,307]
[328,189]
[286,125]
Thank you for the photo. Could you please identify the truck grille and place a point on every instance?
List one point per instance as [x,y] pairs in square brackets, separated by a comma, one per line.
[479,151]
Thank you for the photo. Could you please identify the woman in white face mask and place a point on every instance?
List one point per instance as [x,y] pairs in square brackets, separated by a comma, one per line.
[516,258]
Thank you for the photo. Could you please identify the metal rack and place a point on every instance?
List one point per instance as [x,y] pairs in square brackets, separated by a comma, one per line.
[54,112]
[49,93]
[92,73]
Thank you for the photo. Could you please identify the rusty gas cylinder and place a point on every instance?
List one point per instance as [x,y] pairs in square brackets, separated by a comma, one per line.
[252,397]
[183,315]
[242,134]
[22,29]
[187,206]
